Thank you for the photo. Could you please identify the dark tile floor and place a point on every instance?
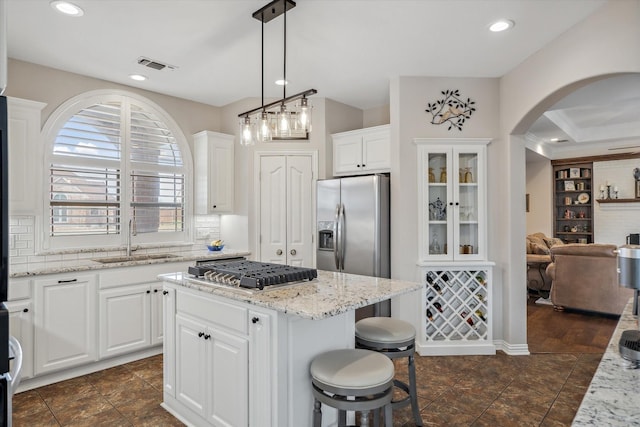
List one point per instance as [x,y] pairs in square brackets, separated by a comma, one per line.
[542,389]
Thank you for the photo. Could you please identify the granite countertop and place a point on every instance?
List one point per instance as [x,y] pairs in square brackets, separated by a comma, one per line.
[91,264]
[330,294]
[612,398]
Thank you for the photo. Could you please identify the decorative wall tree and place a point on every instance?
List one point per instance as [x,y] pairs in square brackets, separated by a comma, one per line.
[451,109]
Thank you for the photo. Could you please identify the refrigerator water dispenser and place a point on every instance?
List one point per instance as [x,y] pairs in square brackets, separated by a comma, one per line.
[325,235]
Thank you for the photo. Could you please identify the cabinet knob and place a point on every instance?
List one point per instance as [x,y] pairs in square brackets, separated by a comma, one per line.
[255,320]
[363,165]
[293,252]
[200,334]
[457,203]
[279,252]
[155,290]
[215,206]
[148,291]
[26,310]
[206,337]
[165,292]
[357,166]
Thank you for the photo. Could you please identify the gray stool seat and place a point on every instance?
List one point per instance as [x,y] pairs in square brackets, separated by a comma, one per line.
[395,339]
[352,380]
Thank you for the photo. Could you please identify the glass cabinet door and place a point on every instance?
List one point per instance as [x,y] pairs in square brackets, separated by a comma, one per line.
[439,204]
[467,202]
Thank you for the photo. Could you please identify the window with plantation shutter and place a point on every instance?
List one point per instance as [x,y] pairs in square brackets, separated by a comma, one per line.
[112,162]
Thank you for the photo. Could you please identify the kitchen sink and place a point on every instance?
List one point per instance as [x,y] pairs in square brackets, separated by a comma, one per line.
[141,257]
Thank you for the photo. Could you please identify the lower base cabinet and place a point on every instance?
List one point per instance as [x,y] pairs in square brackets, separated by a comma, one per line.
[211,372]
[21,327]
[65,307]
[130,318]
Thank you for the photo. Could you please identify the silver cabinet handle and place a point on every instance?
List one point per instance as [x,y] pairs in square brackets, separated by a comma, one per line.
[293,252]
[279,252]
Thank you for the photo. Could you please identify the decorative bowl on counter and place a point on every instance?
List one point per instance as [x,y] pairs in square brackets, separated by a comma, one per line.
[215,248]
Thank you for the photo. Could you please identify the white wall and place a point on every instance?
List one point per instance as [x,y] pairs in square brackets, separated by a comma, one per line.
[539,184]
[613,222]
[605,43]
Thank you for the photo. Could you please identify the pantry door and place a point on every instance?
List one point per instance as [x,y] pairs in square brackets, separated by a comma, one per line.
[286,209]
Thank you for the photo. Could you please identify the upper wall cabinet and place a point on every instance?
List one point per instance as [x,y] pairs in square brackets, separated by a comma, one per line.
[24,150]
[452,199]
[213,173]
[362,151]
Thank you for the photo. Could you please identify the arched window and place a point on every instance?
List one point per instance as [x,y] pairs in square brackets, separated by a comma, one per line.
[115,158]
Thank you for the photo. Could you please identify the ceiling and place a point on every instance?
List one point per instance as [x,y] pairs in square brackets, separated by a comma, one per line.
[346,49]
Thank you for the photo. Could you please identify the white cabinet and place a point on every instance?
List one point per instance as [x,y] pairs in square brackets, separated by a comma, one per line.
[452,199]
[24,140]
[212,359]
[169,341]
[456,315]
[21,327]
[213,157]
[286,200]
[131,316]
[65,322]
[362,151]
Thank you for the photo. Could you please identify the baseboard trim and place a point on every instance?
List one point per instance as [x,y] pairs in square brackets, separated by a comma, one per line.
[512,349]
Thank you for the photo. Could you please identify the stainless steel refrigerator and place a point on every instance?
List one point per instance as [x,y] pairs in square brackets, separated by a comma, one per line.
[353,229]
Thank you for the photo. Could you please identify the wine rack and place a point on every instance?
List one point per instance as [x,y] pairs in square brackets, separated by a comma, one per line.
[456,310]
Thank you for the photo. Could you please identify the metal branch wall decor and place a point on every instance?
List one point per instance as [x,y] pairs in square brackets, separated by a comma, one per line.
[451,109]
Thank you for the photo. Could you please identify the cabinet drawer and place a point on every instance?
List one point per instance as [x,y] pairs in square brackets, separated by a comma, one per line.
[215,311]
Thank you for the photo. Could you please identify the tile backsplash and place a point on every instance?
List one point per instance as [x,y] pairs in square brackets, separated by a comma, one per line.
[23,256]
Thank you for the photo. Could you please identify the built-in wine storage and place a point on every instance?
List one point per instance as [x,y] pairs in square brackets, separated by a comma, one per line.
[456,310]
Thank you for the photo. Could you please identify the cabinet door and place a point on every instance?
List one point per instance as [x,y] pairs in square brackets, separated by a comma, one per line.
[376,151]
[347,154]
[286,203]
[228,379]
[262,369]
[438,242]
[124,319]
[24,139]
[65,321]
[221,175]
[213,157]
[191,364]
[157,326]
[169,340]
[21,327]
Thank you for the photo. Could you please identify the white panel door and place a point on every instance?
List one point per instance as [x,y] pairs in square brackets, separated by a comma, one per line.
[229,379]
[273,218]
[157,326]
[299,211]
[286,209]
[169,340]
[65,321]
[191,364]
[21,327]
[124,319]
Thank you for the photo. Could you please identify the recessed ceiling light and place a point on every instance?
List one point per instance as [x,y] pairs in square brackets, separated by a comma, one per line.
[67,8]
[501,25]
[282,82]
[137,77]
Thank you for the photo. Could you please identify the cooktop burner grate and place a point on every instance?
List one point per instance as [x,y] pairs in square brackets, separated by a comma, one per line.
[251,274]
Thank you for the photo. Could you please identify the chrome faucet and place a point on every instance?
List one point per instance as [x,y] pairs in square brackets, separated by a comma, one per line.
[131,232]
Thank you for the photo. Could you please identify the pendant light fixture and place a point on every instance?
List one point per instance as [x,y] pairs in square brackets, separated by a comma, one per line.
[285,117]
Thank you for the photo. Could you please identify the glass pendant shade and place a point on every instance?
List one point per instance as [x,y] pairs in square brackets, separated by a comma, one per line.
[246,132]
[303,118]
[284,121]
[264,127]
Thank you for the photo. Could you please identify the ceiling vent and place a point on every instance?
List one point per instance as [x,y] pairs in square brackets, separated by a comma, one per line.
[156,65]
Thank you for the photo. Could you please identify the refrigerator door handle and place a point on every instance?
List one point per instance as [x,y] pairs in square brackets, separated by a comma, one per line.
[336,240]
[341,242]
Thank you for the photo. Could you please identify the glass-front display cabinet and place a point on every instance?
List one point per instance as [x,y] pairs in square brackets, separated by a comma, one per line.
[452,201]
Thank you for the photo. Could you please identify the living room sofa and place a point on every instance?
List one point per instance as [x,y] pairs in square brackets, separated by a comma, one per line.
[585,277]
[538,258]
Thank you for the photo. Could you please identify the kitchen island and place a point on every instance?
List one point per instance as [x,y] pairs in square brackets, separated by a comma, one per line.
[241,358]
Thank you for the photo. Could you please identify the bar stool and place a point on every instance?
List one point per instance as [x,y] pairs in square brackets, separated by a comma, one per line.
[352,380]
[396,339]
